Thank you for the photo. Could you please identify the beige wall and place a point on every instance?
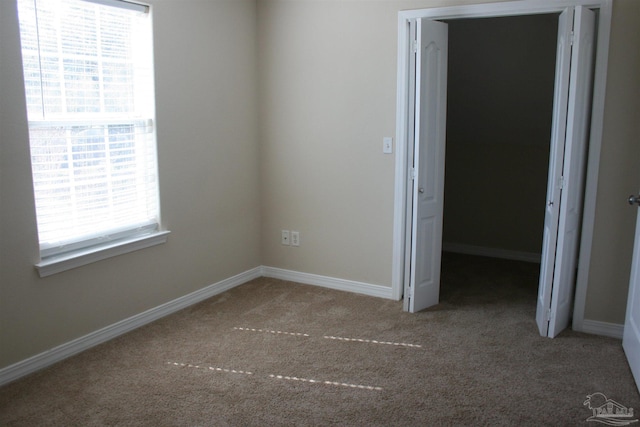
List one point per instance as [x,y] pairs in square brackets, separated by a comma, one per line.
[328,97]
[327,83]
[327,78]
[619,171]
[326,87]
[208,159]
[500,101]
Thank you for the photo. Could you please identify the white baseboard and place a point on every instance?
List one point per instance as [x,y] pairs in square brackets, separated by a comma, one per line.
[613,330]
[329,282]
[61,352]
[56,354]
[491,252]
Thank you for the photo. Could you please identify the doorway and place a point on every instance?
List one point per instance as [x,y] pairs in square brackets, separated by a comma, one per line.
[404,246]
[499,116]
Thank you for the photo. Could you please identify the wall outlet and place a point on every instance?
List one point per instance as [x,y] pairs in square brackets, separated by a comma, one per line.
[285,237]
[295,238]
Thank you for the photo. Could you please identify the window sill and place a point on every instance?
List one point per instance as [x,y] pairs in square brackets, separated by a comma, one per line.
[58,264]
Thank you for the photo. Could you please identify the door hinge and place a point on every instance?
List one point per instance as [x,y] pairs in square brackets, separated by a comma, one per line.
[548,315]
[410,292]
[412,173]
[572,38]
[415,45]
[561,183]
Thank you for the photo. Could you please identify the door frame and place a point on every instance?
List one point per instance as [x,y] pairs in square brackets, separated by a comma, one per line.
[402,236]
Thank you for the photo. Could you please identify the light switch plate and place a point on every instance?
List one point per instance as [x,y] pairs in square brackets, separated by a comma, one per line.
[387,145]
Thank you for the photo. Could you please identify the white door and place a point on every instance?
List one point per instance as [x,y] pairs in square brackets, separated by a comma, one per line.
[566,169]
[578,122]
[552,208]
[428,164]
[631,338]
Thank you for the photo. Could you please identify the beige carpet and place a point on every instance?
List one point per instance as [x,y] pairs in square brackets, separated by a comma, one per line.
[278,353]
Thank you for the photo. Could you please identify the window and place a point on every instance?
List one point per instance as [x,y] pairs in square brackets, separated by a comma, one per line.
[88,71]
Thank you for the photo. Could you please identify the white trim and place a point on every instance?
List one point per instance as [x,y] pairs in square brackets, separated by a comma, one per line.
[61,352]
[613,330]
[57,264]
[461,248]
[122,4]
[513,8]
[401,178]
[329,282]
[498,9]
[593,167]
[66,350]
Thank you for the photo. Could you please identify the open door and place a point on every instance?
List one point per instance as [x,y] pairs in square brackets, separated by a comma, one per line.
[565,191]
[578,123]
[631,337]
[552,208]
[576,32]
[431,48]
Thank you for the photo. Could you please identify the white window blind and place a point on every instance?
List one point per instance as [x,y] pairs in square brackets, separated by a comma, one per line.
[88,70]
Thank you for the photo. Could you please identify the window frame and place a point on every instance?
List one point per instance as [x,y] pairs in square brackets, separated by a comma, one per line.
[129,237]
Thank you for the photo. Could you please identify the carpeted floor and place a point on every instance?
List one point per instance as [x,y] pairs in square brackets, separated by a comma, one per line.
[273,353]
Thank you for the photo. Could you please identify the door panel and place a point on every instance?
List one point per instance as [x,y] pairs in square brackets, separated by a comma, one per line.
[556,156]
[631,338]
[428,163]
[578,120]
[411,136]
